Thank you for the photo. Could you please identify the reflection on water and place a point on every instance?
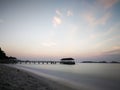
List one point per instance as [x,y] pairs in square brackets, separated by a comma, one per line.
[93,76]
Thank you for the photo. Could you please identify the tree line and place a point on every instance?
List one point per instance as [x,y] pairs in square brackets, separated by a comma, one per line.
[6,59]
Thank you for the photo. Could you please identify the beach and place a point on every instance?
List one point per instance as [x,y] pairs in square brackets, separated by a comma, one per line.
[17,79]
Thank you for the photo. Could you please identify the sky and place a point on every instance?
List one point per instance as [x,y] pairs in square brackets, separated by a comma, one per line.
[86,29]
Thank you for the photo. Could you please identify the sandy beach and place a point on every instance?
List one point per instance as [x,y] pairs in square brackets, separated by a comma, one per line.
[16,79]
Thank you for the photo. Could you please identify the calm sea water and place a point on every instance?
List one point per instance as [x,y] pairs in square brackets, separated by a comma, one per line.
[93,76]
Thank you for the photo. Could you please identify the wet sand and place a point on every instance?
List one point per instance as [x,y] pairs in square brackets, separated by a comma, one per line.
[16,79]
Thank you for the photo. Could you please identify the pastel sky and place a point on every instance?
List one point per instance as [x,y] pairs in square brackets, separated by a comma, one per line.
[60,28]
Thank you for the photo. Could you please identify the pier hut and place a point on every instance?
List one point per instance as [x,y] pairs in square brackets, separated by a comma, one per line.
[69,61]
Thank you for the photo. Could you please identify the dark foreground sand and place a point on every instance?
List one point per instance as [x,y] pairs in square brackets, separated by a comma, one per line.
[15,79]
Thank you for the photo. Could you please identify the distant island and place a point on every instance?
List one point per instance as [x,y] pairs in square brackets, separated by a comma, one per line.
[99,62]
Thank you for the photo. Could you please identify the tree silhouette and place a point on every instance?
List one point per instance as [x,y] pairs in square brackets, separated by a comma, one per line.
[5,59]
[2,54]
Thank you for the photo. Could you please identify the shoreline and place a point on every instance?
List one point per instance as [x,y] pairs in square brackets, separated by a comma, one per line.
[13,78]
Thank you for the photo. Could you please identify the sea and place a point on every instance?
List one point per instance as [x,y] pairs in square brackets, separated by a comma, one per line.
[81,76]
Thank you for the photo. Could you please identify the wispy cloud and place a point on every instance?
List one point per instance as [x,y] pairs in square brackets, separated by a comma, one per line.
[48,44]
[107,3]
[69,13]
[93,21]
[56,21]
[116,47]
[114,51]
[113,29]
[90,18]
[58,13]
[106,45]
[103,20]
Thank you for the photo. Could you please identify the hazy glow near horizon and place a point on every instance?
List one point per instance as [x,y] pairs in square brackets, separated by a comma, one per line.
[75,28]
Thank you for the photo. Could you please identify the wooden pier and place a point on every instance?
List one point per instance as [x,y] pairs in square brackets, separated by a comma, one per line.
[38,62]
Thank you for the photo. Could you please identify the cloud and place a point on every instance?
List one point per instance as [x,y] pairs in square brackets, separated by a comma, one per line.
[116,47]
[48,44]
[93,21]
[58,13]
[104,18]
[57,21]
[107,3]
[69,13]
[113,29]
[111,33]
[89,17]
[113,51]
[112,54]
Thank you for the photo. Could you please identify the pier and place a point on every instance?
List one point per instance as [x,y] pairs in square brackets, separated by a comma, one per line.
[37,62]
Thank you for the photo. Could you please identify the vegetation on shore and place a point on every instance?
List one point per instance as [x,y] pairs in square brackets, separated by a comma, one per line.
[6,59]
